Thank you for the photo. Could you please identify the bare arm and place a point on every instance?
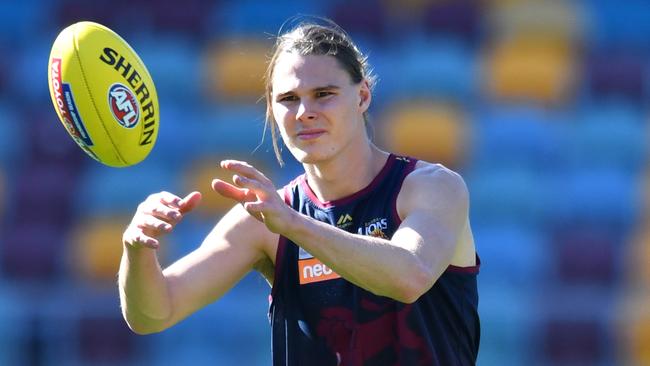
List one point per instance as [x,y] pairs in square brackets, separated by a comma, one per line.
[153,299]
[433,204]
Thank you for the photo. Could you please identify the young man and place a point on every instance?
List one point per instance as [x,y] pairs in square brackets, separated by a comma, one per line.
[371,255]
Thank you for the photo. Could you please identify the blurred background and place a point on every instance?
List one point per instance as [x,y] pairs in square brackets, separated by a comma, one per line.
[541,105]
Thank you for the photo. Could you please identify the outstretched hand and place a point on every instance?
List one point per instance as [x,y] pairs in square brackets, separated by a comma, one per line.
[157,216]
[256,193]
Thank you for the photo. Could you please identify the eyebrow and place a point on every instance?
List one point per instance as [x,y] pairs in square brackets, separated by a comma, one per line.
[314,90]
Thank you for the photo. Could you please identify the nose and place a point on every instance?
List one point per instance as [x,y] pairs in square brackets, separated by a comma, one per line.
[305,112]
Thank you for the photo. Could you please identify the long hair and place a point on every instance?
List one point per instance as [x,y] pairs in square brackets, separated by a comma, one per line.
[312,38]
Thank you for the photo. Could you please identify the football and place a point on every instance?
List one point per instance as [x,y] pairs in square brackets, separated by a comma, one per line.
[103,94]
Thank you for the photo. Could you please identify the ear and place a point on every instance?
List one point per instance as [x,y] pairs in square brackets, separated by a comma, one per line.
[365,96]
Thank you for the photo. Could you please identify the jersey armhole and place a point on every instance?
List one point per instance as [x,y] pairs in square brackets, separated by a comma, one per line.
[410,166]
[466,270]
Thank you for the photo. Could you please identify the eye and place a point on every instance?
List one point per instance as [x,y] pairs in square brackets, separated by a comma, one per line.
[323,93]
[287,98]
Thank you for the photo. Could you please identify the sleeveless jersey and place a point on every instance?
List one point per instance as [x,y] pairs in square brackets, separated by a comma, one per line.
[319,318]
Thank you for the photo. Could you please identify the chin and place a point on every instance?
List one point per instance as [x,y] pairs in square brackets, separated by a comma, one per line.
[309,157]
[309,160]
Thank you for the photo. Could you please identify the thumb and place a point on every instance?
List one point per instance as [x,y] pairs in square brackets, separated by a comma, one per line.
[189,202]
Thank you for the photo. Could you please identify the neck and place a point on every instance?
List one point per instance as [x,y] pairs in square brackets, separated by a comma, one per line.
[345,174]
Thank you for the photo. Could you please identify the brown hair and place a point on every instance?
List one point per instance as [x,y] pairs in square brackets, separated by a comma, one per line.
[308,38]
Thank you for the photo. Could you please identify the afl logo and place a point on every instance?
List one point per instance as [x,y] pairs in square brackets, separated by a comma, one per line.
[123,105]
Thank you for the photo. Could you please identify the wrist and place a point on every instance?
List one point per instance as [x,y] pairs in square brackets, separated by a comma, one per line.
[299,227]
[293,223]
[135,249]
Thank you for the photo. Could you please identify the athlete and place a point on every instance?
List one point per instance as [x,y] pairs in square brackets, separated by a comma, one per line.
[370,255]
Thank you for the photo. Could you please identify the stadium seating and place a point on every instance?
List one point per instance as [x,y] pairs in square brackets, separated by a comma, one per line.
[166,17]
[406,15]
[512,256]
[587,255]
[199,177]
[527,68]
[361,17]
[454,19]
[425,130]
[575,326]
[177,70]
[540,105]
[519,137]
[14,332]
[430,67]
[549,19]
[44,193]
[569,342]
[95,248]
[511,196]
[621,26]
[216,331]
[12,139]
[234,19]
[612,73]
[31,251]
[504,338]
[634,326]
[113,345]
[3,193]
[234,69]
[604,198]
[610,134]
[230,130]
[104,190]
[638,256]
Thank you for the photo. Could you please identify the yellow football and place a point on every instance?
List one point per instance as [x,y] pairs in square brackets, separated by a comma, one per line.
[103,94]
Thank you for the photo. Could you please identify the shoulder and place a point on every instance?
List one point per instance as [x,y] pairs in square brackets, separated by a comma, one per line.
[436,179]
[432,185]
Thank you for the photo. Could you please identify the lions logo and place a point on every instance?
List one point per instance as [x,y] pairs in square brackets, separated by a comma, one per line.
[375,227]
[378,233]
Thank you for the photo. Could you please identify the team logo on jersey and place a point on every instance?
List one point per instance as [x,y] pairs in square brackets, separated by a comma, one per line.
[375,227]
[123,105]
[312,270]
[344,221]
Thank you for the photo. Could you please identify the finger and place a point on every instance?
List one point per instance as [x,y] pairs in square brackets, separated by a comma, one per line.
[147,241]
[138,238]
[251,184]
[230,191]
[255,209]
[189,202]
[244,169]
[154,225]
[165,213]
[169,199]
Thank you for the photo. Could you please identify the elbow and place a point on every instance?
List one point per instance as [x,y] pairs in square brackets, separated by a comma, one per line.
[140,330]
[141,323]
[141,326]
[411,287]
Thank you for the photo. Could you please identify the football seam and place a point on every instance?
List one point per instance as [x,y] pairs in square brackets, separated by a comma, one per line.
[92,99]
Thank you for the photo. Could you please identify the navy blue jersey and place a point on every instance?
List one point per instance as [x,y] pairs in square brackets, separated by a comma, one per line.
[319,318]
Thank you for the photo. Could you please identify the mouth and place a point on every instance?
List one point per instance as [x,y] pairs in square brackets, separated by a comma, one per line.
[310,134]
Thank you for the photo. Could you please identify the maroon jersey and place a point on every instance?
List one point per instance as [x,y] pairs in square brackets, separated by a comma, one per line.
[319,318]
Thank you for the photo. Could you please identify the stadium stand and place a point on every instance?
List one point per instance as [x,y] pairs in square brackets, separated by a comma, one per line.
[541,106]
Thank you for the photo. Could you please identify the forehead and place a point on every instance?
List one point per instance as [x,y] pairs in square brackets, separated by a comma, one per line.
[293,72]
